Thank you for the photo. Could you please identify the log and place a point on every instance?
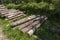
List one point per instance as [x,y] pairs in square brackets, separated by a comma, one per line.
[31,31]
[27,28]
[24,25]
[24,20]
[14,17]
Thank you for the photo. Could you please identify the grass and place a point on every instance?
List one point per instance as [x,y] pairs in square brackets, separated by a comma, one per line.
[14,34]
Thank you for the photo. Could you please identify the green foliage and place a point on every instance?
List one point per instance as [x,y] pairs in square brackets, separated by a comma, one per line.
[56,1]
[15,1]
[51,7]
[11,6]
[34,8]
[30,7]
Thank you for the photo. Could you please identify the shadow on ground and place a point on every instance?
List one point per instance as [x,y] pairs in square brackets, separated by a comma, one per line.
[45,33]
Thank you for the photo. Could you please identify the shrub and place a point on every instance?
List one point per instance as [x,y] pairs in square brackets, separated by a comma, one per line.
[9,6]
[51,7]
[35,8]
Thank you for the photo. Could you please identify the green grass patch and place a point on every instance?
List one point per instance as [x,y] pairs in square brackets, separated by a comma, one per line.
[14,34]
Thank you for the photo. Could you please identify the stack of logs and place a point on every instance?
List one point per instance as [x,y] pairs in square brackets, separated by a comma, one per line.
[27,25]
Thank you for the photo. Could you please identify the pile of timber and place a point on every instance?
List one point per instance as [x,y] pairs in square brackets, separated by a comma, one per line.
[11,14]
[27,25]
[3,10]
[14,14]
